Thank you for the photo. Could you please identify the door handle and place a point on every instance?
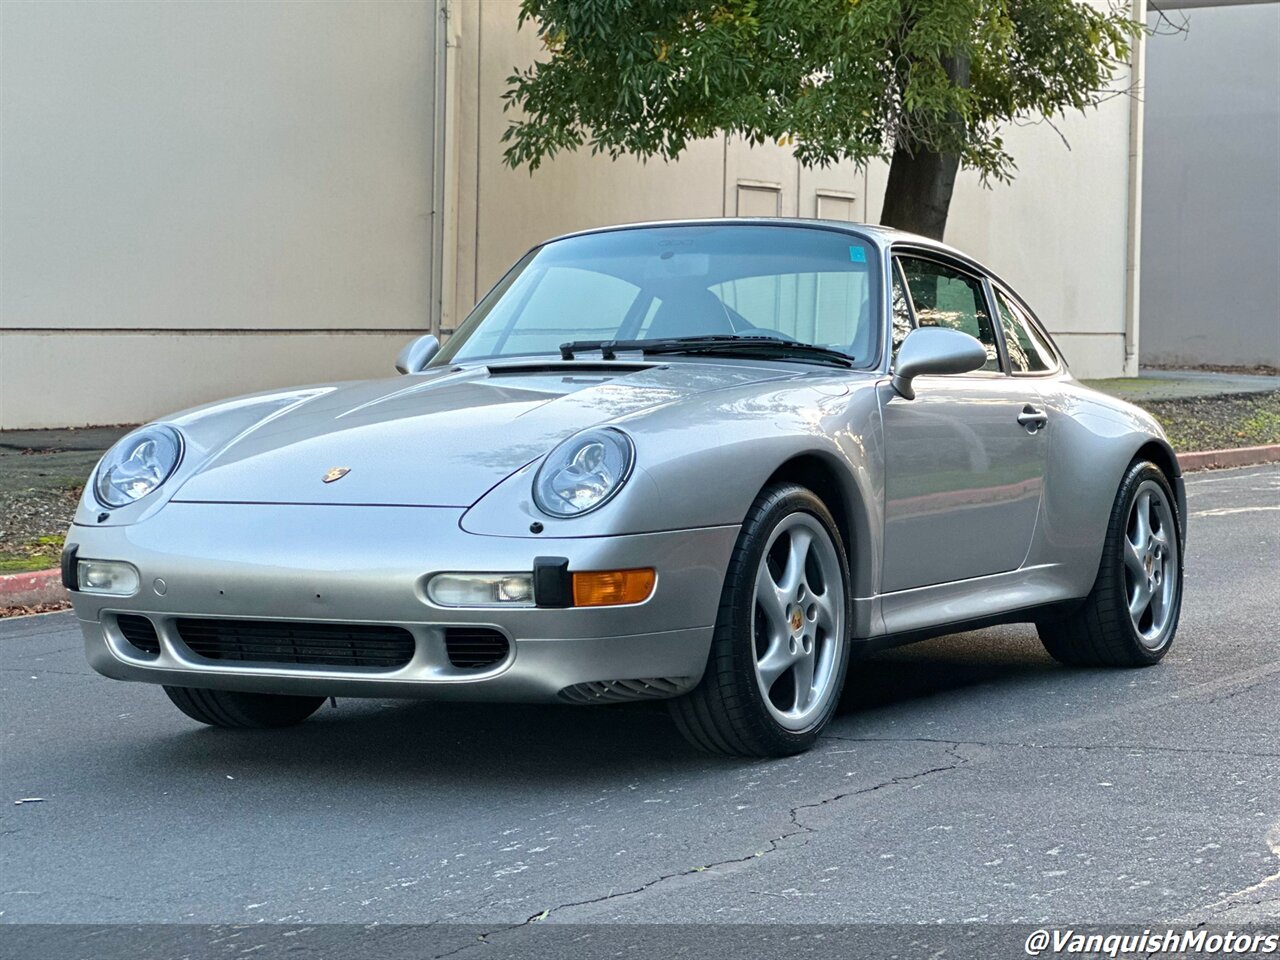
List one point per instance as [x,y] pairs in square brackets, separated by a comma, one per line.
[1033,418]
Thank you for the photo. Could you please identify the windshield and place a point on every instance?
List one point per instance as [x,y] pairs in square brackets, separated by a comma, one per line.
[805,284]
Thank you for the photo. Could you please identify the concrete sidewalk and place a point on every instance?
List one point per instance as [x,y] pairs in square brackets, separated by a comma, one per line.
[1183,385]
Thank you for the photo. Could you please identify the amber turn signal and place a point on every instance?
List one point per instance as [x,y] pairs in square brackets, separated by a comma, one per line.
[608,588]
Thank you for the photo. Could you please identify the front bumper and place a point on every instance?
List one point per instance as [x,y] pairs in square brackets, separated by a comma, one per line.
[369,565]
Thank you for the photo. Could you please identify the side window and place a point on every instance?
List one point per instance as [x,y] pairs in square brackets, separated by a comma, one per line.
[901,311]
[944,297]
[1028,352]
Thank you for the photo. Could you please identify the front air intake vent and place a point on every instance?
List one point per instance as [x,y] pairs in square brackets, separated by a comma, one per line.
[473,648]
[139,631]
[298,641]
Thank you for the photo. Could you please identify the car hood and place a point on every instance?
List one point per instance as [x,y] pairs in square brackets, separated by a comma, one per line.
[439,439]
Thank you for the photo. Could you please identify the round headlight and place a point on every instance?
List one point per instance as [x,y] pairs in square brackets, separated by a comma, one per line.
[137,465]
[583,473]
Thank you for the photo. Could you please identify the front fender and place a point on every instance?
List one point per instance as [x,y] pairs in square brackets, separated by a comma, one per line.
[702,462]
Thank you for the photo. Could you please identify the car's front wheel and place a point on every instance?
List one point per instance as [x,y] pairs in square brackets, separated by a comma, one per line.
[1131,614]
[780,648]
[231,708]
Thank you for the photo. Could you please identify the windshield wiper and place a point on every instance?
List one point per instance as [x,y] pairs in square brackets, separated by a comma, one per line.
[725,344]
[609,348]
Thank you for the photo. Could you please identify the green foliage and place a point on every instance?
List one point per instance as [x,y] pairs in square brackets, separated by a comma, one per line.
[838,79]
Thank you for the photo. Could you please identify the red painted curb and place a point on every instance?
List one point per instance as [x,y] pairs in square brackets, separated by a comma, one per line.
[23,589]
[1232,457]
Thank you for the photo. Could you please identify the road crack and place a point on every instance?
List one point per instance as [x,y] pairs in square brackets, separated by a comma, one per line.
[1233,900]
[796,828]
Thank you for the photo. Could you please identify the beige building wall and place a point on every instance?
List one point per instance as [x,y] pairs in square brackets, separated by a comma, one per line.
[204,199]
[1060,233]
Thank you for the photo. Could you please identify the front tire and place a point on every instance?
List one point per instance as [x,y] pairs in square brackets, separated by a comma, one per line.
[781,648]
[1131,615]
[236,710]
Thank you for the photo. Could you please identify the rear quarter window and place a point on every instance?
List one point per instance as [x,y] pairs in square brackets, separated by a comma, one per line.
[1029,352]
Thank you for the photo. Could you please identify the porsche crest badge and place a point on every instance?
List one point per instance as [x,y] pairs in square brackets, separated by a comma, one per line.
[336,473]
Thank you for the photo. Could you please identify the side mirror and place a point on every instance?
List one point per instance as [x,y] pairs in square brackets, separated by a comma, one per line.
[417,354]
[935,350]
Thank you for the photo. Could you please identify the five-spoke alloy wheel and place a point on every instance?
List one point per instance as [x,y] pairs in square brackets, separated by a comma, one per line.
[798,627]
[1151,563]
[781,648]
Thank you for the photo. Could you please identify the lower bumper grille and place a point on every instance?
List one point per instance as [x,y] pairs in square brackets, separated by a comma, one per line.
[283,641]
[139,631]
[475,647]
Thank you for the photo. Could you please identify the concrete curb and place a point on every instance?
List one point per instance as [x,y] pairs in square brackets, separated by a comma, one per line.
[1233,457]
[45,586]
[27,589]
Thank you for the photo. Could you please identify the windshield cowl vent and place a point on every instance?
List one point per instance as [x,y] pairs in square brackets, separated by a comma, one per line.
[568,366]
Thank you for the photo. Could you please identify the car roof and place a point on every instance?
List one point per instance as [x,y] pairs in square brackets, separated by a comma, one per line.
[871,231]
[883,237]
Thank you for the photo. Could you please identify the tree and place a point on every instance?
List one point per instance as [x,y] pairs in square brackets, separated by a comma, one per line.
[928,84]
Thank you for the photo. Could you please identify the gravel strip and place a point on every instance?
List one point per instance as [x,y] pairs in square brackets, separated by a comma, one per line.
[1216,423]
[25,610]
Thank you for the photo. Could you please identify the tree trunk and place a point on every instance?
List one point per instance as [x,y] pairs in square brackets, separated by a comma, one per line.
[921,181]
[918,194]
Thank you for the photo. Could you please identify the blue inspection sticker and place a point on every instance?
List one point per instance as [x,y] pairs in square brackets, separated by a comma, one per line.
[858,254]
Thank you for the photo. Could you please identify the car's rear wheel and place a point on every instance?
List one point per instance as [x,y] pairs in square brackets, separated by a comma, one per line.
[780,648]
[1130,617]
[231,708]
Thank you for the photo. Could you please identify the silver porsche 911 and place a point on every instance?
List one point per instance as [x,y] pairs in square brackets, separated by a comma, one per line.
[709,462]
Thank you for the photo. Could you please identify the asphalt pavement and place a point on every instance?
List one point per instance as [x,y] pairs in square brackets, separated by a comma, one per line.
[966,779]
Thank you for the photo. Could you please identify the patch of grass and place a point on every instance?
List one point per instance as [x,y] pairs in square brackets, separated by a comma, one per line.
[34,520]
[38,553]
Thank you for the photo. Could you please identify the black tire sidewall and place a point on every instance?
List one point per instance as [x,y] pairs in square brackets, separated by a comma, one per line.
[1139,472]
[232,709]
[773,506]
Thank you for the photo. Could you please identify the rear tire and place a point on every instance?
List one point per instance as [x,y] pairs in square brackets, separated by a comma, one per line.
[235,710]
[780,648]
[1131,615]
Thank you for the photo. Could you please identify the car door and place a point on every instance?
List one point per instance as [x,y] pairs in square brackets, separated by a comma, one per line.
[964,460]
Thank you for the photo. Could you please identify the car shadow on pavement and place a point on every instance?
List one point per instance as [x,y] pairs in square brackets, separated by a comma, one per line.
[1001,655]
[388,741]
